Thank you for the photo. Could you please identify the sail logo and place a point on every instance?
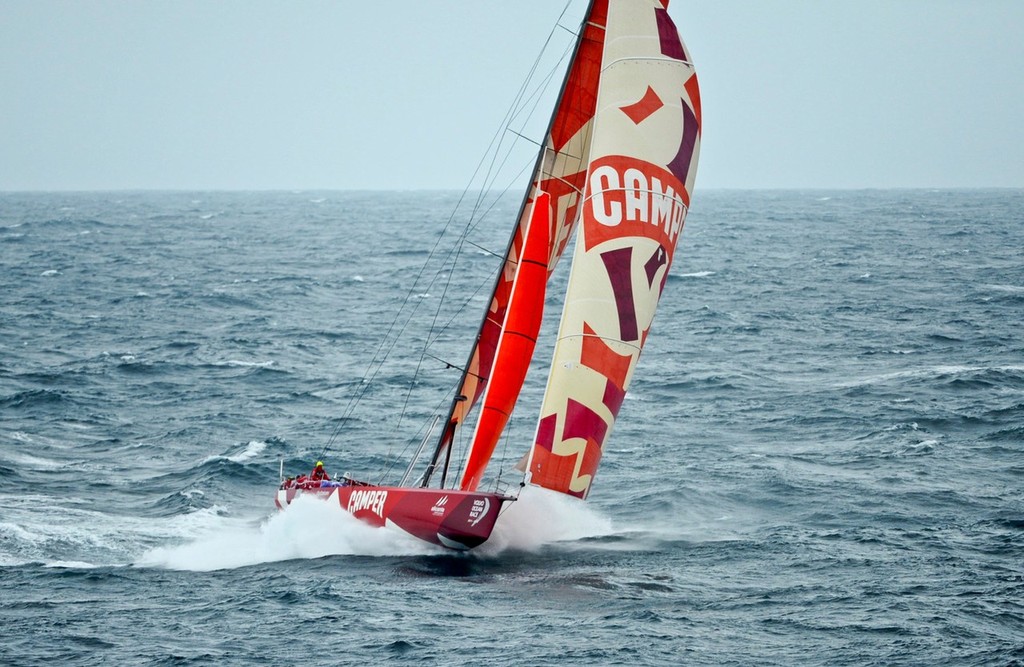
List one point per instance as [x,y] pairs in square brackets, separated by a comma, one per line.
[439,506]
[367,500]
[629,197]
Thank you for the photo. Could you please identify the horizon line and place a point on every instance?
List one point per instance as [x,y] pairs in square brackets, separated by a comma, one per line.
[816,188]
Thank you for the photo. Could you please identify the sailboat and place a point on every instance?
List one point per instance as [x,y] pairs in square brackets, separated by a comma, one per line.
[618,162]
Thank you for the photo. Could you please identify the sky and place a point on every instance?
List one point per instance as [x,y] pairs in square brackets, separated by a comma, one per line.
[407,94]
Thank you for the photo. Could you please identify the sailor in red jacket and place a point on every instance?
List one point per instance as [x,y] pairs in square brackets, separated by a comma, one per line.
[319,474]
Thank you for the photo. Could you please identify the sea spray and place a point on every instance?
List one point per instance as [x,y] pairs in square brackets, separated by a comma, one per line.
[308,528]
[313,528]
[541,517]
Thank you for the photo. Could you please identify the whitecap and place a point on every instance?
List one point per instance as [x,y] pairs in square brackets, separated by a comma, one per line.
[15,531]
[697,274]
[71,565]
[1013,289]
[252,450]
[899,427]
[33,461]
[50,272]
[245,364]
[926,372]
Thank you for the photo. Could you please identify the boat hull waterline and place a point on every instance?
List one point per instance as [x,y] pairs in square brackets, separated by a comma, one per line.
[457,520]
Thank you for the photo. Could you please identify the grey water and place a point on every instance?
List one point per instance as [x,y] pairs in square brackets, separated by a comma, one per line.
[820,461]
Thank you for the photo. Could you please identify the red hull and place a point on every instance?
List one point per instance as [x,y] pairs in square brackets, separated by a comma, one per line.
[453,519]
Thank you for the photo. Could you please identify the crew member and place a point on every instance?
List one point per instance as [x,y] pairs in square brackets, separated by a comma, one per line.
[319,474]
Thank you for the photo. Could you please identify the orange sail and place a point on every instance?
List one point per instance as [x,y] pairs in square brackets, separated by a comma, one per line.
[516,343]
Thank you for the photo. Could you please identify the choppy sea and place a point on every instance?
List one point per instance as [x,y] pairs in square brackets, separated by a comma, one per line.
[821,460]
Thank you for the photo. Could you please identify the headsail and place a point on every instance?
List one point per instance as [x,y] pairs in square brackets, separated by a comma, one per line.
[642,163]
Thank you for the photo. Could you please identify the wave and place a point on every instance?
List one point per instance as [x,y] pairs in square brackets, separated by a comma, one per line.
[1010,294]
[65,222]
[24,460]
[1012,289]
[71,565]
[46,530]
[952,374]
[35,398]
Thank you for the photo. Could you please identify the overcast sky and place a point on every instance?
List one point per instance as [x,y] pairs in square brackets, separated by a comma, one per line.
[406,94]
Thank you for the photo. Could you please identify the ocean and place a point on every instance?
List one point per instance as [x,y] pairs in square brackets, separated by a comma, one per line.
[820,461]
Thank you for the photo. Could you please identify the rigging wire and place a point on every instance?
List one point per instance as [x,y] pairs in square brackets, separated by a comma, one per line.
[494,168]
[536,96]
[475,217]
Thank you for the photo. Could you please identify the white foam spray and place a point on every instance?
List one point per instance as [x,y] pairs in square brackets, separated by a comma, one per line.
[213,538]
[313,528]
[541,517]
[308,528]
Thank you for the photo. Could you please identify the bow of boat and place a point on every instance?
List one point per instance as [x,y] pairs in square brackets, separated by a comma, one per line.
[459,520]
